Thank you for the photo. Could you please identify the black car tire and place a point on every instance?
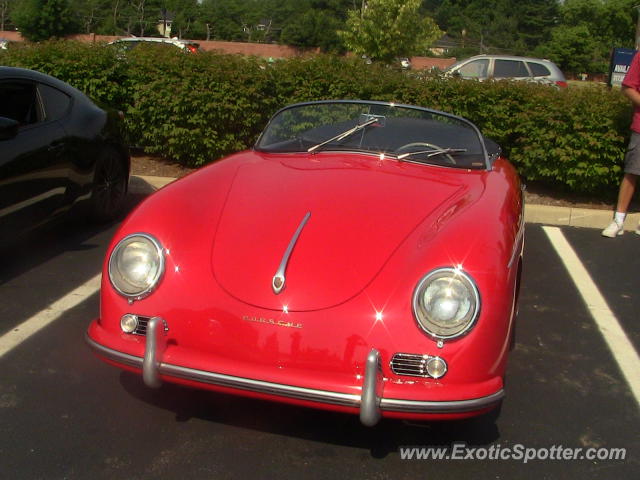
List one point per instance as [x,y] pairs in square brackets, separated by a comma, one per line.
[493,415]
[109,186]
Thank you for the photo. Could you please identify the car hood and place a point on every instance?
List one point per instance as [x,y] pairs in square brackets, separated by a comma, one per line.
[361,210]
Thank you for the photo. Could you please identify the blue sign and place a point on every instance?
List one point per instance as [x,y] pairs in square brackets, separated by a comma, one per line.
[620,63]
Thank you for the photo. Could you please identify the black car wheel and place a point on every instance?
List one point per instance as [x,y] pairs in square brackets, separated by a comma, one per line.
[109,186]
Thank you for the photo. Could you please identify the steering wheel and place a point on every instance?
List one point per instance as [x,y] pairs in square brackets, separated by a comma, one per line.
[427,145]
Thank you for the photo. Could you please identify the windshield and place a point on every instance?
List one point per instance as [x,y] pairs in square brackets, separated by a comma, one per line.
[408,134]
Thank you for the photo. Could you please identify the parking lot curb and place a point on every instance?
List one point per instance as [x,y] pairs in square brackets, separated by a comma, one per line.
[144,185]
[544,214]
[574,217]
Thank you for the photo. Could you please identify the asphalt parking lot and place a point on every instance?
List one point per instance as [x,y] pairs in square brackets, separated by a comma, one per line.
[64,414]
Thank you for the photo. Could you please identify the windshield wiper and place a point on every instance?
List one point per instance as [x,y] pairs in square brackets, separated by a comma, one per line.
[343,135]
[433,152]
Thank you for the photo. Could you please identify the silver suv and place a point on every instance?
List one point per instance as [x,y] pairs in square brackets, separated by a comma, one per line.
[484,67]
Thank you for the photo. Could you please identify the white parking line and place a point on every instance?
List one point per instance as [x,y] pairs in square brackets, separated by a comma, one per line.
[610,328]
[43,318]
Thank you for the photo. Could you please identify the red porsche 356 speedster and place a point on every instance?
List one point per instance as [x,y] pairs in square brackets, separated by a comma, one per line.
[363,257]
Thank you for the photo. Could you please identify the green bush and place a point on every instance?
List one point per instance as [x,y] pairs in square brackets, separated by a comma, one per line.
[197,108]
[91,68]
[574,138]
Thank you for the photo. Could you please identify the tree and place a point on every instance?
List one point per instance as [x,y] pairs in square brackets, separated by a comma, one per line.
[386,29]
[5,10]
[621,16]
[587,31]
[574,49]
[314,28]
[90,13]
[40,20]
[224,19]
[137,17]
[497,26]
[612,22]
[185,14]
[138,9]
[536,18]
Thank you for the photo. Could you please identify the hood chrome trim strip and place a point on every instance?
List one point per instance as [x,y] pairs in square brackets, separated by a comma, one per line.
[279,279]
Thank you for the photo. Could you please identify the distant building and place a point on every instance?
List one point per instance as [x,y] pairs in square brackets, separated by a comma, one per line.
[264,25]
[443,45]
[165,23]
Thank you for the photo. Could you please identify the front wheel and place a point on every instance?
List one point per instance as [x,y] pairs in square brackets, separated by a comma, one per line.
[109,186]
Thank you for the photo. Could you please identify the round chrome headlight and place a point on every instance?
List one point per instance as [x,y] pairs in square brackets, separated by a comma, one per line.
[446,303]
[136,265]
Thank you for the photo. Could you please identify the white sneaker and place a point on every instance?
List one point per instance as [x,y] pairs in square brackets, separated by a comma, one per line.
[638,229]
[614,229]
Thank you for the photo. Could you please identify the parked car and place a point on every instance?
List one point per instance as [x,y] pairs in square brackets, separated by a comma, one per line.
[484,67]
[57,150]
[404,62]
[126,44]
[363,257]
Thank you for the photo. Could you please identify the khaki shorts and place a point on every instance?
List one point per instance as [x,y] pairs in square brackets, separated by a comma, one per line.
[632,158]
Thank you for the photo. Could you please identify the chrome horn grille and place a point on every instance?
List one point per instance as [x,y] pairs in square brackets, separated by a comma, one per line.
[141,329]
[417,365]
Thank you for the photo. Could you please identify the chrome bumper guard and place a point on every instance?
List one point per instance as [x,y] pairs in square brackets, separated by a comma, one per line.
[371,390]
[156,342]
[371,403]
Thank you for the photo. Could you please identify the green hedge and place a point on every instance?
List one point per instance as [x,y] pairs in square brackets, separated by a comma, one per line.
[90,68]
[198,108]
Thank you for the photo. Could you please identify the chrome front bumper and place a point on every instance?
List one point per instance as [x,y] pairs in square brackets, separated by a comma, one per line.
[370,402]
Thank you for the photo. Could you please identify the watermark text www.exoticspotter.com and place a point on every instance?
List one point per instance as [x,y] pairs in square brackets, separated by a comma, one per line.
[517,452]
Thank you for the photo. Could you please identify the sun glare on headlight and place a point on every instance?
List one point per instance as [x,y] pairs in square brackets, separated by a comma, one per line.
[446,303]
[136,265]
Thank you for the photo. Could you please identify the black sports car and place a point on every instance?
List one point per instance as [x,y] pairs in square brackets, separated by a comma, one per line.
[58,150]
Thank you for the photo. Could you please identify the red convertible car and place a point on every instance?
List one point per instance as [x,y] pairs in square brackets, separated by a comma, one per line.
[363,257]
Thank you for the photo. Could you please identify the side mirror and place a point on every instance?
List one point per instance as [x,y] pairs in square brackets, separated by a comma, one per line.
[8,128]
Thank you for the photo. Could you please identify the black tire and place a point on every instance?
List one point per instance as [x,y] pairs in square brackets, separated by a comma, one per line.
[493,414]
[109,186]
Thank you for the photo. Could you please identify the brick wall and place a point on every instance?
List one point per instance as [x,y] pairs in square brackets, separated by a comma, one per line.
[265,50]
[12,36]
[422,63]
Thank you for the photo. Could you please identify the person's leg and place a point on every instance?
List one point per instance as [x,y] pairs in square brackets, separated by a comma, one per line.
[627,187]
